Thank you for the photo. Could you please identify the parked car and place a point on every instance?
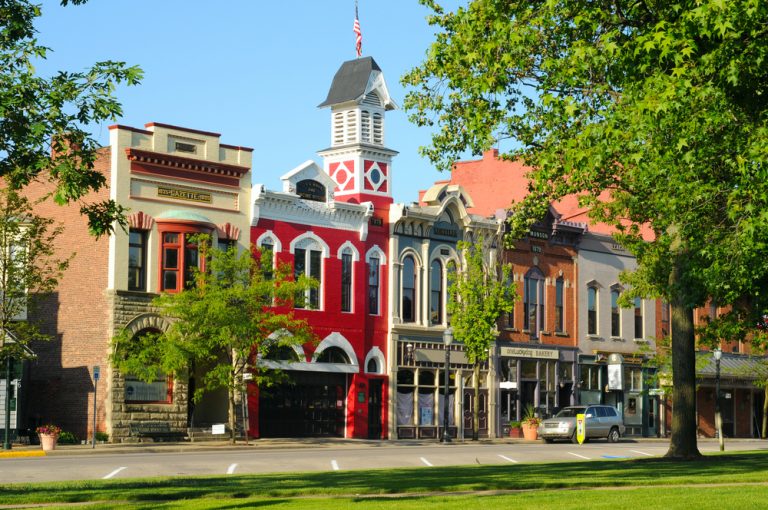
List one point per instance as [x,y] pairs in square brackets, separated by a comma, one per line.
[600,420]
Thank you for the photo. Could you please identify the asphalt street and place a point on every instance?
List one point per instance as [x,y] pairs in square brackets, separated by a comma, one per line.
[191,460]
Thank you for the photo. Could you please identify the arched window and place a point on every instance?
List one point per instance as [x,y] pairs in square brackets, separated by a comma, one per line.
[436,292]
[615,314]
[592,310]
[533,302]
[333,355]
[372,367]
[409,290]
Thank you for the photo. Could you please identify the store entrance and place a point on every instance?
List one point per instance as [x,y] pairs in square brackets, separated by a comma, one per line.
[311,405]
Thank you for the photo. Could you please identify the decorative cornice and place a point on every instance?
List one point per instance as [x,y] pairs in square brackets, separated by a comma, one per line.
[288,207]
[169,161]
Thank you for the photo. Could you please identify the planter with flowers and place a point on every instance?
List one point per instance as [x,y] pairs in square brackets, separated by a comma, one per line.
[515,430]
[530,424]
[49,435]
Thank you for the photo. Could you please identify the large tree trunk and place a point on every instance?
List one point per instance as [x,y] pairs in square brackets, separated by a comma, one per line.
[683,441]
[476,404]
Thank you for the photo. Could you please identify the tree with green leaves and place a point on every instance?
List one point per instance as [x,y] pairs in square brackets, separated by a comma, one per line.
[44,121]
[234,314]
[29,270]
[478,294]
[653,113]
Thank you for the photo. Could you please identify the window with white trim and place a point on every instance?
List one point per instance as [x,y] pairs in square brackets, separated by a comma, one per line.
[436,292]
[615,314]
[346,280]
[373,285]
[592,310]
[308,262]
[638,318]
[408,277]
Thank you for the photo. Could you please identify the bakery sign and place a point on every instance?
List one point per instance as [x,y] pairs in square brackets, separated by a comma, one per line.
[184,194]
[523,352]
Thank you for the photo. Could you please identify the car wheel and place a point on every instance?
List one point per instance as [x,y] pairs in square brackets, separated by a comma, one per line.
[613,435]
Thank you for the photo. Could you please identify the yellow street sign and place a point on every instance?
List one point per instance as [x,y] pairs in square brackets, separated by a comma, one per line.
[581,428]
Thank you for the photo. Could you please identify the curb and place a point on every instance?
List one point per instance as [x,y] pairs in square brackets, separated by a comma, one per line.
[22,453]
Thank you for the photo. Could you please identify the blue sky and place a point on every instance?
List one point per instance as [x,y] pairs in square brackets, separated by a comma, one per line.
[252,70]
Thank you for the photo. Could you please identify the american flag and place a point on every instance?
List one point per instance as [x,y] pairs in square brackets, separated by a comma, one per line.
[358,34]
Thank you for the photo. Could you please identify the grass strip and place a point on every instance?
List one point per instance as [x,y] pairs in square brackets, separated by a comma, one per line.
[716,469]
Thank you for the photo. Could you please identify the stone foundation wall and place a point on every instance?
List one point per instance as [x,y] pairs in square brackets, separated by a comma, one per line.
[134,312]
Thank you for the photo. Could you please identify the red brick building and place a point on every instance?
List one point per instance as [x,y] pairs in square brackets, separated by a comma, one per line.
[332,223]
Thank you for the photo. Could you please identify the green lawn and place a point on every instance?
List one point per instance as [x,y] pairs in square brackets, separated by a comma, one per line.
[615,484]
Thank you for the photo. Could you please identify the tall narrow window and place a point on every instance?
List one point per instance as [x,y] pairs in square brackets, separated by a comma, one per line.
[137,260]
[436,292]
[664,318]
[191,263]
[409,290]
[307,262]
[533,302]
[559,305]
[267,259]
[373,285]
[638,318]
[615,314]
[591,311]
[346,282]
[171,261]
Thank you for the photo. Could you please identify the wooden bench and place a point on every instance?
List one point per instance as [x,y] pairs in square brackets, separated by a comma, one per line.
[156,430]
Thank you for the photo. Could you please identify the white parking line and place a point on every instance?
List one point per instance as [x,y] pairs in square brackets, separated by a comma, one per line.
[113,473]
[642,453]
[507,458]
[231,469]
[579,456]
[425,461]
[335,465]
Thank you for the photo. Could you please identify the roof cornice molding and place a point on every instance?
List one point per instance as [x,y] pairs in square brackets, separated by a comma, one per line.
[199,165]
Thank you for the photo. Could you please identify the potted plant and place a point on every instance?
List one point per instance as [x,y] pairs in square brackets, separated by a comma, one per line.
[515,430]
[530,424]
[49,435]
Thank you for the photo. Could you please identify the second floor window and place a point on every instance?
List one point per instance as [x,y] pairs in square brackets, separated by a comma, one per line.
[137,260]
[346,282]
[307,262]
[436,292]
[559,305]
[409,290]
[591,311]
[615,314]
[533,302]
[373,286]
[638,318]
[179,262]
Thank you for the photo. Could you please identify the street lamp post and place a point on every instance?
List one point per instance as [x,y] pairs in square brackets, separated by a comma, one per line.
[447,340]
[718,417]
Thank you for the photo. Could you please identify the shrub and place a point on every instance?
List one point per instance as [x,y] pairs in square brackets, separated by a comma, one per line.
[68,438]
[102,436]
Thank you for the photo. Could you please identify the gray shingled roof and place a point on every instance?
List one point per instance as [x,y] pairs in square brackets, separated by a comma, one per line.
[732,365]
[350,81]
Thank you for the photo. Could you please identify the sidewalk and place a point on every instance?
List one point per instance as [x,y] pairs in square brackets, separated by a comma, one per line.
[270,443]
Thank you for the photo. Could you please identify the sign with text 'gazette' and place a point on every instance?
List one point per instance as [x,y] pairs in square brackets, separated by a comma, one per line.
[523,352]
[183,194]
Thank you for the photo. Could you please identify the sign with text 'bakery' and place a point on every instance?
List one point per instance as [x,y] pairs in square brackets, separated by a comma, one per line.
[523,352]
[183,194]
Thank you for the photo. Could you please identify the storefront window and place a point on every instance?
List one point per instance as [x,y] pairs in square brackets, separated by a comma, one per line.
[158,390]
[528,369]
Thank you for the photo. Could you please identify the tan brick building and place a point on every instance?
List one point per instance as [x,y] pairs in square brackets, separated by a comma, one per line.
[175,182]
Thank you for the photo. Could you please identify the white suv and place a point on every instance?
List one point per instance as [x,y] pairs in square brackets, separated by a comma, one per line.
[600,420]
